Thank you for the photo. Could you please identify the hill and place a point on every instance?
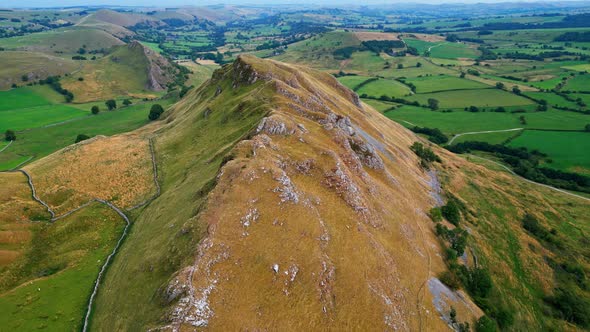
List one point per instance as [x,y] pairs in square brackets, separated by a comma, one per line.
[118,18]
[285,201]
[127,70]
[32,65]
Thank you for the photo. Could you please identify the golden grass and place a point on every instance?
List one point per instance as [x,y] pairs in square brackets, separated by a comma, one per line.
[117,169]
[366,35]
[17,210]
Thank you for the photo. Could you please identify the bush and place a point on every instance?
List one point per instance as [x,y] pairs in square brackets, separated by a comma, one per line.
[479,282]
[127,102]
[10,135]
[95,110]
[81,138]
[155,112]
[111,104]
[485,324]
[572,307]
[451,213]
[450,279]
[435,214]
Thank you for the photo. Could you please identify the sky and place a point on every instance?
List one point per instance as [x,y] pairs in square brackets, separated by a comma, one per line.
[170,3]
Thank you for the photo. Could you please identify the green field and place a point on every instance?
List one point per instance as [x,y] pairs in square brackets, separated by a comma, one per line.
[40,142]
[492,138]
[444,82]
[58,273]
[579,83]
[30,107]
[552,99]
[384,87]
[352,82]
[479,97]
[568,150]
[461,122]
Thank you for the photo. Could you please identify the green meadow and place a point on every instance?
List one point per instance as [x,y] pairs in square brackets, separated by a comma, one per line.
[478,97]
[444,82]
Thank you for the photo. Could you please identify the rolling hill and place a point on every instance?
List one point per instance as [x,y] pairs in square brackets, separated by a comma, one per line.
[127,70]
[281,200]
[32,65]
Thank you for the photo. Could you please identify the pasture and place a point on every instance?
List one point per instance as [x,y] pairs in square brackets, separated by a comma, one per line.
[579,83]
[384,87]
[444,82]
[477,97]
[567,150]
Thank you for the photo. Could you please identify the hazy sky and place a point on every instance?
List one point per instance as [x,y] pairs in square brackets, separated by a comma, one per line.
[170,3]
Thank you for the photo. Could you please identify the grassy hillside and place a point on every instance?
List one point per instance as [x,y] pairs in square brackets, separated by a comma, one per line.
[34,65]
[65,40]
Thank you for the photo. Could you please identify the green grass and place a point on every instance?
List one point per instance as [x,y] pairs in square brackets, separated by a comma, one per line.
[578,83]
[73,249]
[580,68]
[480,98]
[568,150]
[153,46]
[444,82]
[30,107]
[552,99]
[492,138]
[454,51]
[43,141]
[384,87]
[352,81]
[460,121]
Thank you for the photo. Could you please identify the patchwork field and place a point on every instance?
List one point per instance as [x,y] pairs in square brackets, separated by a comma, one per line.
[443,83]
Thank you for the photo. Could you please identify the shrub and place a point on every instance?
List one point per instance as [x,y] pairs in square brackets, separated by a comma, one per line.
[479,282]
[450,279]
[485,324]
[81,138]
[111,104]
[127,102]
[95,110]
[155,112]
[435,214]
[572,307]
[451,213]
[10,135]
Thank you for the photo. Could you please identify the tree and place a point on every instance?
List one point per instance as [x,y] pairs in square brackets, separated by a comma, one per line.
[155,112]
[127,102]
[25,78]
[500,85]
[587,128]
[10,135]
[95,110]
[433,104]
[516,90]
[82,137]
[400,66]
[111,104]
[522,119]
[451,212]
[419,64]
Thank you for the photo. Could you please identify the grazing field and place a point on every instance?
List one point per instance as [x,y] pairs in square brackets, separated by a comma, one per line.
[552,99]
[384,87]
[40,142]
[568,150]
[492,138]
[32,107]
[49,286]
[479,98]
[454,51]
[460,121]
[579,83]
[443,83]
[353,81]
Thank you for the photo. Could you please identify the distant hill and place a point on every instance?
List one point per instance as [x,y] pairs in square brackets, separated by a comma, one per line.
[128,70]
[33,65]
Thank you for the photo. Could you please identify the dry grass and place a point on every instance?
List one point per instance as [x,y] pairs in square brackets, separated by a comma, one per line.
[365,35]
[343,235]
[116,169]
[17,210]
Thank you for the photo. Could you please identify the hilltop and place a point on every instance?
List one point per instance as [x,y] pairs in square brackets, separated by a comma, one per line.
[286,201]
[127,70]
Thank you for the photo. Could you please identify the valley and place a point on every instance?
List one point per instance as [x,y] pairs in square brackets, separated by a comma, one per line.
[414,167]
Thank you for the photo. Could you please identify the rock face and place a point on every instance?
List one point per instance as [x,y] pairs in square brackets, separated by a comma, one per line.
[159,70]
[317,220]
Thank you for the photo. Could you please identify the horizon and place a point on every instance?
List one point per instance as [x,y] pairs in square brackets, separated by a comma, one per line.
[15,4]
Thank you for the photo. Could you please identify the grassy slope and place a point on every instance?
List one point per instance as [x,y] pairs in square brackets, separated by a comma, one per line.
[58,271]
[38,65]
[123,72]
[164,236]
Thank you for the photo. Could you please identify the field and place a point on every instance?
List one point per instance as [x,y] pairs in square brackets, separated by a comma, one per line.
[384,87]
[579,83]
[478,97]
[443,83]
[567,150]
[29,107]
[40,142]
